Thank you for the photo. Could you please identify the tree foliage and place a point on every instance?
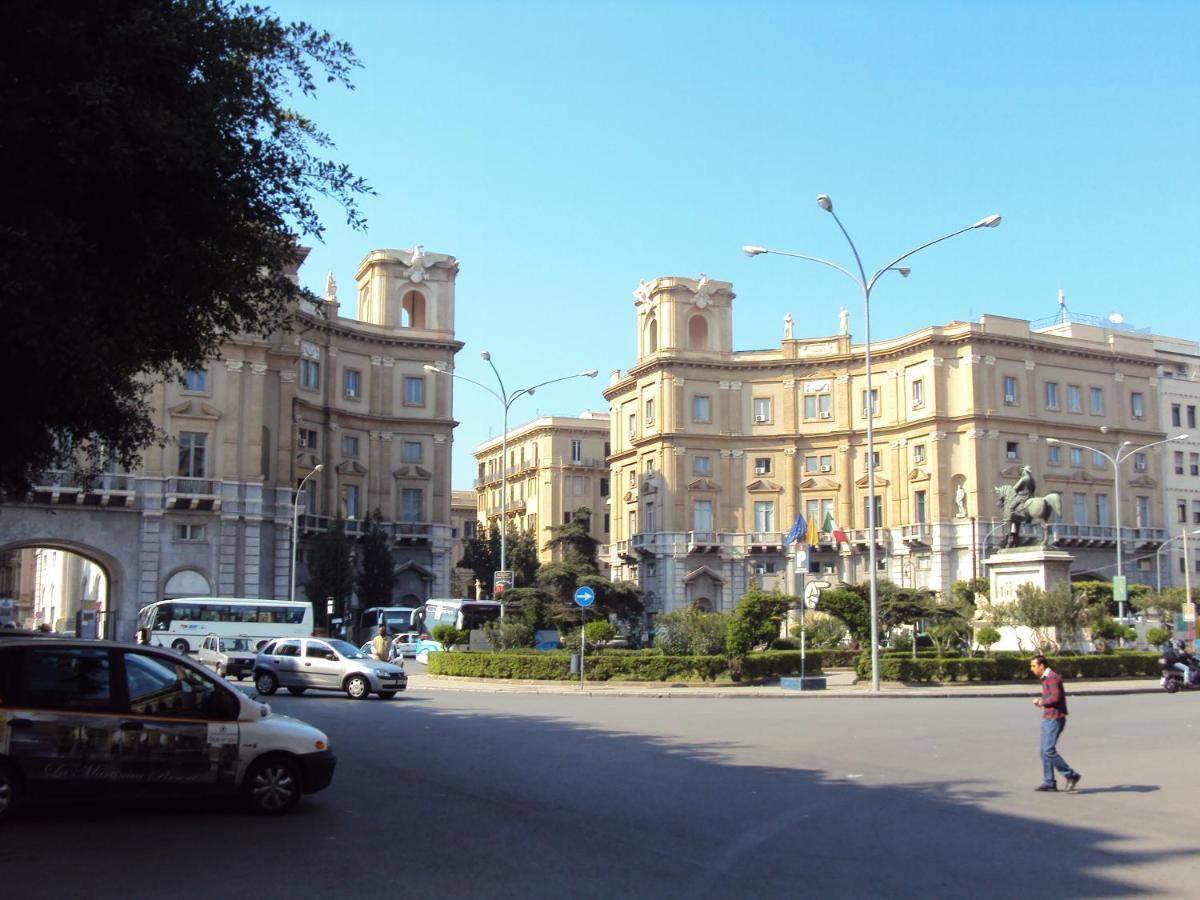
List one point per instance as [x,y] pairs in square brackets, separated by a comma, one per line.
[1053,616]
[690,632]
[377,573]
[158,180]
[330,571]
[852,609]
[577,568]
[481,554]
[756,621]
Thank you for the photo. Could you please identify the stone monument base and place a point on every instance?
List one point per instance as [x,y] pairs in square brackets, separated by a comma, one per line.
[1012,567]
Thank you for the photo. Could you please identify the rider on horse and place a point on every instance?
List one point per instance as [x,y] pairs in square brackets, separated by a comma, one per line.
[1025,488]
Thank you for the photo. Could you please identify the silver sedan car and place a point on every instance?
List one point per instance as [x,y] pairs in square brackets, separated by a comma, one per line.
[298,664]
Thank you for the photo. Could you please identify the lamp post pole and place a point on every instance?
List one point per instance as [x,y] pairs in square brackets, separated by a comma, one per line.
[1182,536]
[506,401]
[866,284]
[296,526]
[1122,453]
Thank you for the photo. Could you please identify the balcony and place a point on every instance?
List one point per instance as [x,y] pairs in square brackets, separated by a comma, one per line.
[400,533]
[105,489]
[858,536]
[915,535]
[1105,536]
[191,493]
[764,541]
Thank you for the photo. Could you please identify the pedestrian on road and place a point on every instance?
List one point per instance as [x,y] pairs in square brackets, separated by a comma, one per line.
[1054,719]
[379,646]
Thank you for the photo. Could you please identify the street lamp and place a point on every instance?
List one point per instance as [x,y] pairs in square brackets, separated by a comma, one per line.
[296,525]
[1123,452]
[1183,536]
[506,400]
[866,284]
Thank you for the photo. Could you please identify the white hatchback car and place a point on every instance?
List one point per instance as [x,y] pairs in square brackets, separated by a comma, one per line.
[325,664]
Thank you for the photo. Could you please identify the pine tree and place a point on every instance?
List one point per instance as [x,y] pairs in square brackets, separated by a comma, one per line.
[377,577]
[330,572]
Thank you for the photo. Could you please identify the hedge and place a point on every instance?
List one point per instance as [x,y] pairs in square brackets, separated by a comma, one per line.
[597,667]
[1007,668]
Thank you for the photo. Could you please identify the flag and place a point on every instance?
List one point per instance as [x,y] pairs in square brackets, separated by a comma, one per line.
[798,528]
[832,527]
[812,538]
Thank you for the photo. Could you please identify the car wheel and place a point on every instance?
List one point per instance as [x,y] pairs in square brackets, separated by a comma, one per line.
[357,687]
[10,791]
[387,695]
[272,785]
[266,683]
[179,645]
[297,691]
[220,670]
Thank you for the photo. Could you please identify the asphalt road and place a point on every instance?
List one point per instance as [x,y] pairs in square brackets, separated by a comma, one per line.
[442,794]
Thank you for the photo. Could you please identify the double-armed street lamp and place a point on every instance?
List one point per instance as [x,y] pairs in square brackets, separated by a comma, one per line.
[1123,452]
[296,525]
[1182,536]
[506,401]
[866,284]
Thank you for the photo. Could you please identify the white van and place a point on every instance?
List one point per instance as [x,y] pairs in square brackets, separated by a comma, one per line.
[97,718]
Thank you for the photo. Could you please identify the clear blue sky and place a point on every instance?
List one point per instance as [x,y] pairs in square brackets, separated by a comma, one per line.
[564,151]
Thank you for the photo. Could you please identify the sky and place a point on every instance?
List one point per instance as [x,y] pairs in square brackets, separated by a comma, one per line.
[564,151]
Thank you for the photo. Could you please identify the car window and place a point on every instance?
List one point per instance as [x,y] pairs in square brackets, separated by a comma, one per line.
[349,651]
[162,687]
[267,648]
[229,645]
[69,678]
[9,660]
[318,650]
[287,648]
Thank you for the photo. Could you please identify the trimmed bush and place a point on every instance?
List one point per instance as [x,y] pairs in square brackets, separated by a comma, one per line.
[1010,668]
[556,666]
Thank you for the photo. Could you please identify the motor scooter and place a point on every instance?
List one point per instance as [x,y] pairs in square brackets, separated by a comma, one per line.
[1172,679]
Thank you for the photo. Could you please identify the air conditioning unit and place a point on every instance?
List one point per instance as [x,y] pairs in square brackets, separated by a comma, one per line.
[917,404]
[826,414]
[760,418]
[761,470]
[760,570]
[1010,398]
[826,468]
[1012,455]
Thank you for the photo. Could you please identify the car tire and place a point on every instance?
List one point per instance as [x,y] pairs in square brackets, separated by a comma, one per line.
[297,691]
[266,683]
[272,785]
[220,670]
[10,791]
[179,645]
[358,687]
[387,695]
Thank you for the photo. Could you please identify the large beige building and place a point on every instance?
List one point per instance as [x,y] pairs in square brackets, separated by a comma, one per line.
[211,512]
[556,465]
[715,451]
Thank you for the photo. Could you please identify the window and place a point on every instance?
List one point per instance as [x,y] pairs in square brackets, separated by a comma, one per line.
[469,528]
[414,390]
[631,477]
[878,512]
[632,426]
[702,515]
[1139,462]
[1012,450]
[764,515]
[1079,508]
[762,409]
[919,453]
[310,374]
[810,464]
[185,532]
[1096,400]
[648,518]
[306,438]
[874,407]
[702,465]
[192,446]
[874,459]
[1142,505]
[1191,416]
[69,678]
[350,446]
[1181,511]
[1074,398]
[603,487]
[412,501]
[632,522]
[650,412]
[352,384]
[1054,454]
[1010,390]
[350,501]
[1194,463]
[607,523]
[576,451]
[1102,509]
[762,466]
[826,465]
[1051,395]
[701,409]
[159,688]
[195,380]
[818,403]
[649,466]
[918,393]
[1076,456]
[1098,459]
[411,451]
[1196,512]
[1177,414]
[1178,462]
[919,507]
[1136,405]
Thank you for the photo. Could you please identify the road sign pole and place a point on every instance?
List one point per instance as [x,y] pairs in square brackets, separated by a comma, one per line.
[802,611]
[584,597]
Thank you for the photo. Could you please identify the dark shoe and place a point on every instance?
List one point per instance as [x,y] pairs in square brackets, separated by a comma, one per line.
[1072,780]
[1046,787]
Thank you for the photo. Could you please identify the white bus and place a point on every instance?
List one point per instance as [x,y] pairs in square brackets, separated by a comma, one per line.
[398,619]
[465,615]
[183,624]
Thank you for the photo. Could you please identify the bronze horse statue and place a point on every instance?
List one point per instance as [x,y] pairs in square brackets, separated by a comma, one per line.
[1031,511]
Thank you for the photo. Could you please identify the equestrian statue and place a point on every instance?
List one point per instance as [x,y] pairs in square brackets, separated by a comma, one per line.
[1022,507]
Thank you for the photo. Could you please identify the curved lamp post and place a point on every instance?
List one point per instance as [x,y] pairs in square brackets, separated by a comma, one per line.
[296,525]
[1182,536]
[1123,452]
[866,284]
[506,401]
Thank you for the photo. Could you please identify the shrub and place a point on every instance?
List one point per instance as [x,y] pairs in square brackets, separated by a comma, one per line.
[1007,668]
[986,636]
[598,632]
[509,633]
[556,666]
[1156,636]
[774,663]
[448,636]
[690,632]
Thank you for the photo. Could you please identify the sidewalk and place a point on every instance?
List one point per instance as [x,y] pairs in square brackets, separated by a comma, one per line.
[841,685]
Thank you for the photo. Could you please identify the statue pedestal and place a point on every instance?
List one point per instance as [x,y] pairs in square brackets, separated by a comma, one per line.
[1009,569]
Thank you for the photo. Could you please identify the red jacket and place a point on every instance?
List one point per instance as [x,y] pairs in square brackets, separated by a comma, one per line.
[1054,696]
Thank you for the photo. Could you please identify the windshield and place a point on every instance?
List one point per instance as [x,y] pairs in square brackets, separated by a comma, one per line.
[349,651]
[229,645]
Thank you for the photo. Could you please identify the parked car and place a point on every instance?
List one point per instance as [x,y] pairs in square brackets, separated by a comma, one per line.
[82,718]
[228,657]
[298,664]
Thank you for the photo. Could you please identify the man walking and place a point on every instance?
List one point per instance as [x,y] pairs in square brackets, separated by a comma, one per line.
[1054,719]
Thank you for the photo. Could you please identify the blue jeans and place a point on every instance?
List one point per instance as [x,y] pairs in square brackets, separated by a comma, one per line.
[1052,729]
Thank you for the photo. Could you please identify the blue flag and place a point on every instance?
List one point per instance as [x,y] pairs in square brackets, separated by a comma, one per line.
[799,527]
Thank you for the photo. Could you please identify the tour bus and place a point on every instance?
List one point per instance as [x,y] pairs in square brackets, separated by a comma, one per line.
[465,615]
[398,619]
[183,624]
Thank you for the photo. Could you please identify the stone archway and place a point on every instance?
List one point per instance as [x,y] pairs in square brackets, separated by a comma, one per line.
[75,588]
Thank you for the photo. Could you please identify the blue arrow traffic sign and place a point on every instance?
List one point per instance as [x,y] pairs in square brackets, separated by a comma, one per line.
[585,596]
